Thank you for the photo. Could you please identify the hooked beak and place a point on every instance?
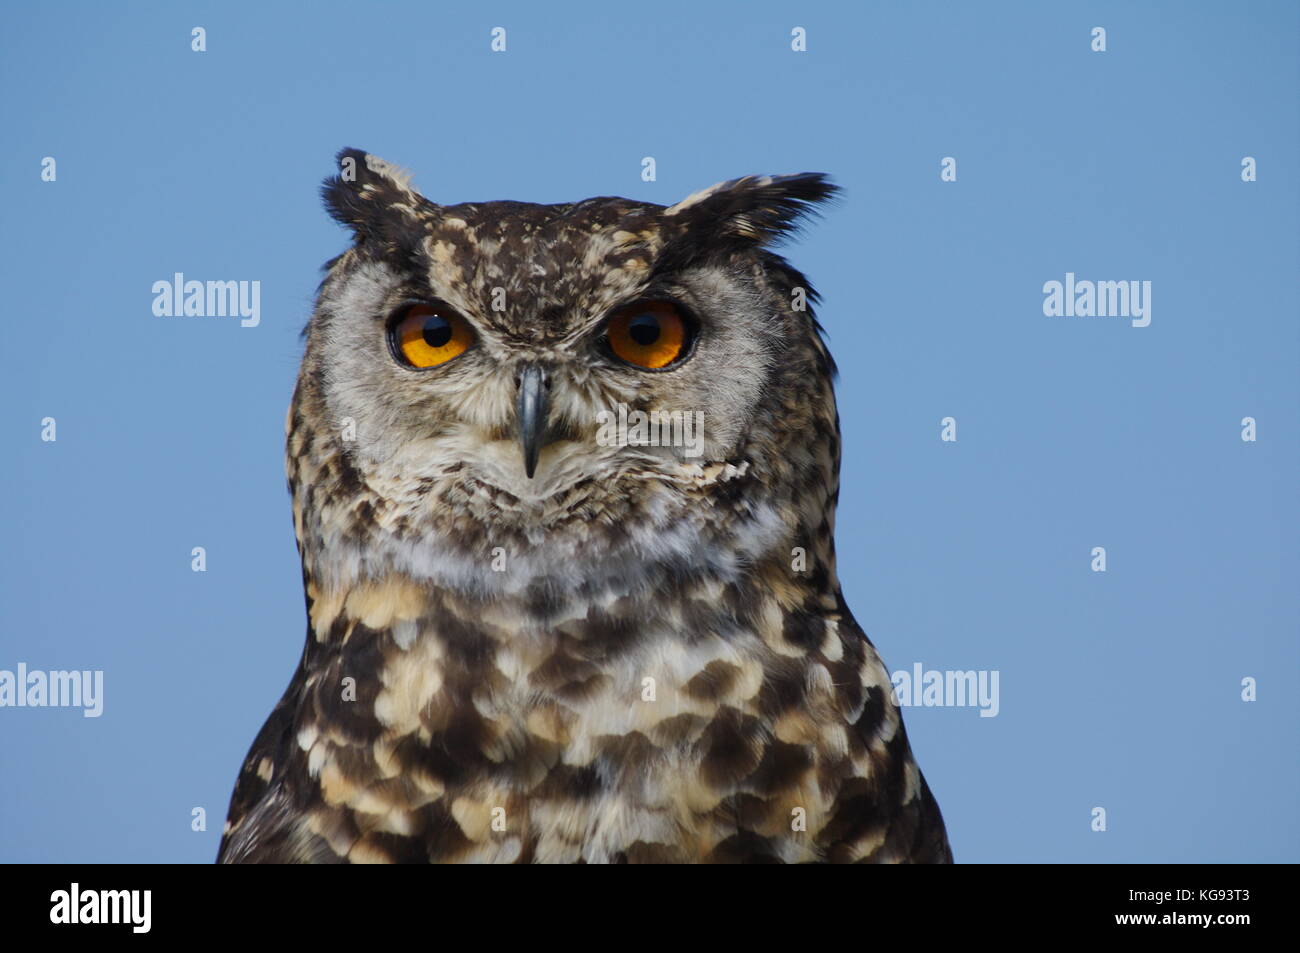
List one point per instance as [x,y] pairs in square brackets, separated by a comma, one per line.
[530,407]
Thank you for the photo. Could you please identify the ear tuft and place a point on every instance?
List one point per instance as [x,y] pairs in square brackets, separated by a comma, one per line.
[758,209]
[371,196]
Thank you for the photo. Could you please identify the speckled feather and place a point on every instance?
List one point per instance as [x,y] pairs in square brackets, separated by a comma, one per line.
[615,661]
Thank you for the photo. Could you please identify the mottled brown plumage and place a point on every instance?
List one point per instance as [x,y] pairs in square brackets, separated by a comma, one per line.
[635,655]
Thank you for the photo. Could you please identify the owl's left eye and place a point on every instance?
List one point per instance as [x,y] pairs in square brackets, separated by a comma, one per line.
[654,335]
[425,336]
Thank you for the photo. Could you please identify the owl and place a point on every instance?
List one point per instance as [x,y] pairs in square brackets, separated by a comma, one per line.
[564,482]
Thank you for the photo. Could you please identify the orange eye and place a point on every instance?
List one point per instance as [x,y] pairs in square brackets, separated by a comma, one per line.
[426,336]
[650,334]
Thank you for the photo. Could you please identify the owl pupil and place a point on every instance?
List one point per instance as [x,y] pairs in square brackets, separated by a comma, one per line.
[437,331]
[644,329]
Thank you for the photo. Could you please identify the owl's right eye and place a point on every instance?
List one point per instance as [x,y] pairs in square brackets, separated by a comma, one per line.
[426,335]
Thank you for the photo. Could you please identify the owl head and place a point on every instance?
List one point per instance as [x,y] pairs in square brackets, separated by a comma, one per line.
[567,390]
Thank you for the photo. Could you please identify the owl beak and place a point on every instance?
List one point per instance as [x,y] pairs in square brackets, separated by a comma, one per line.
[531,413]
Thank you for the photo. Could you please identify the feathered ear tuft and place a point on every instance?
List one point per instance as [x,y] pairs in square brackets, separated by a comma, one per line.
[757,209]
[373,197]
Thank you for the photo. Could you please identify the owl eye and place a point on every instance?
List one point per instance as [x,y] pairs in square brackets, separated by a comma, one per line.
[426,336]
[649,334]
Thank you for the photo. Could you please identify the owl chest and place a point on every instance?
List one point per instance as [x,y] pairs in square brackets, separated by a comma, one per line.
[668,751]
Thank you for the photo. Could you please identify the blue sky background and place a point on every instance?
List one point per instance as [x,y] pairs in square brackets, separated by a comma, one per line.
[1119,690]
